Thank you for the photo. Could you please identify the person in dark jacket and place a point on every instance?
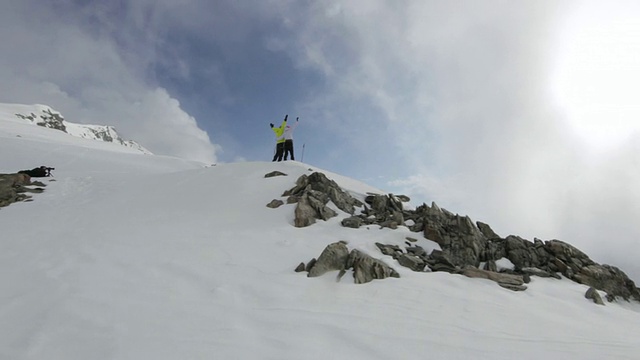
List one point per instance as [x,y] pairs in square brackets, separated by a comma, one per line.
[42,171]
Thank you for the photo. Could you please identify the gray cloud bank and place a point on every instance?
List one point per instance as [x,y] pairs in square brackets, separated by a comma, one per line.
[460,93]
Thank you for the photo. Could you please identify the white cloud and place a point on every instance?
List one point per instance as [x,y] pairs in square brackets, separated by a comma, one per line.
[178,132]
[93,77]
[462,88]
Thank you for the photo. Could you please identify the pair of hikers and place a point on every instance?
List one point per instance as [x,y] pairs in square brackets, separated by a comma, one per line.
[284,139]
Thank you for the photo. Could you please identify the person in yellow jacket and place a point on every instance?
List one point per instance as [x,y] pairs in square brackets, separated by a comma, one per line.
[279,139]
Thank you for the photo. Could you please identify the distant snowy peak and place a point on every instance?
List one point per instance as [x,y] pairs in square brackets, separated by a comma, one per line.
[44,116]
[102,133]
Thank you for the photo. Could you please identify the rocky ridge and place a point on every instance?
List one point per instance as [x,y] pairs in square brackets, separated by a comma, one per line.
[467,248]
[52,119]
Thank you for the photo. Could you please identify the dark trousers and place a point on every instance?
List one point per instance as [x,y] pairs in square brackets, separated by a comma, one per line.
[279,152]
[288,149]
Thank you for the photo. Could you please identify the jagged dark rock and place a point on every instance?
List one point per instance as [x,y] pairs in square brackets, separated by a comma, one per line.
[486,230]
[300,268]
[508,281]
[319,183]
[386,209]
[275,203]
[312,193]
[457,236]
[412,262]
[366,268]
[491,266]
[333,257]
[305,215]
[539,273]
[609,279]
[440,261]
[391,250]
[593,294]
[463,244]
[310,264]
[13,188]
[336,257]
[513,287]
[47,119]
[352,222]
[521,252]
[274,173]
[416,250]
[311,206]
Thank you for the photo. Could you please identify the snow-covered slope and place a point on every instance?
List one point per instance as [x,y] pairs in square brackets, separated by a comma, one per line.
[44,116]
[126,256]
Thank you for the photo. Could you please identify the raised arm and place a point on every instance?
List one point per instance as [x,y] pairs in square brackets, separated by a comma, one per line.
[295,124]
[284,123]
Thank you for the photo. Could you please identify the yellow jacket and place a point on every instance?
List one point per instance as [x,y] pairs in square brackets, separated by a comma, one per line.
[279,132]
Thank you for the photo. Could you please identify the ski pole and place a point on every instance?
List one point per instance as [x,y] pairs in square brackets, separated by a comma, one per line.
[302,157]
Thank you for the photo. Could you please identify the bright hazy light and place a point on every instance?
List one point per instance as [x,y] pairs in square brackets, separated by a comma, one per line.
[597,79]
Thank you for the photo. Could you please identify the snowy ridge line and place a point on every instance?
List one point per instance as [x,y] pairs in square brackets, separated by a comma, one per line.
[45,116]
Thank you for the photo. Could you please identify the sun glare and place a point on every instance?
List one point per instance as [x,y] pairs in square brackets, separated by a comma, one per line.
[597,78]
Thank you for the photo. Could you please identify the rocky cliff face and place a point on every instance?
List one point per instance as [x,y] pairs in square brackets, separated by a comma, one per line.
[49,118]
[467,248]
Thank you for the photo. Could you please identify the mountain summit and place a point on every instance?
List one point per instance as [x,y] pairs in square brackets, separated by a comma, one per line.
[132,256]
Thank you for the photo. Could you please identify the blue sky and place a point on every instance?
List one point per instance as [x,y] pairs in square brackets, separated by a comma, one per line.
[521,114]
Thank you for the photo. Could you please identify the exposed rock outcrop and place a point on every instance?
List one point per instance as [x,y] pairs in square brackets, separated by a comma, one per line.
[49,118]
[337,257]
[13,188]
[593,295]
[511,282]
[465,245]
[365,268]
[312,194]
[333,257]
[275,203]
[274,174]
